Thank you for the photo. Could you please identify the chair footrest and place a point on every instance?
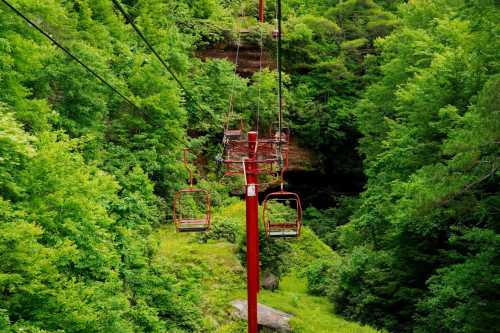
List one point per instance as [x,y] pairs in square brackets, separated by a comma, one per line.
[283,233]
[192,225]
[192,228]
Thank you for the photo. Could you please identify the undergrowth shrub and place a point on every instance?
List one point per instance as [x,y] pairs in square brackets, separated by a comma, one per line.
[325,222]
[274,254]
[224,229]
[319,277]
[366,275]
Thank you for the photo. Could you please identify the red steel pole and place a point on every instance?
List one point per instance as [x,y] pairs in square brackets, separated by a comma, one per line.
[261,10]
[252,212]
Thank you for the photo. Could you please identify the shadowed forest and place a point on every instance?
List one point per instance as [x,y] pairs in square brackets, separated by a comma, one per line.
[394,113]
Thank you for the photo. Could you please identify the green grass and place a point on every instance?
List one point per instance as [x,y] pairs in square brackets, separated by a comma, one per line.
[312,314]
[220,278]
[213,267]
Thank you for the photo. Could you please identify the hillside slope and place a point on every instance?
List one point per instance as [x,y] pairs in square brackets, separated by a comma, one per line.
[215,269]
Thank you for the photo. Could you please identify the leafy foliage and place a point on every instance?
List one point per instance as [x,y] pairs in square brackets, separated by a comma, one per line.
[319,276]
[411,88]
[430,142]
[328,48]
[227,228]
[83,175]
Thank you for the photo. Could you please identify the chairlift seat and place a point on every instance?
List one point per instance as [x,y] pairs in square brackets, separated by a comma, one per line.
[283,230]
[274,133]
[233,133]
[279,224]
[193,225]
[191,210]
[283,233]
[233,130]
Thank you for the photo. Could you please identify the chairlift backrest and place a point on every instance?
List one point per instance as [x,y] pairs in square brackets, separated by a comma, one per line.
[282,210]
[192,211]
[282,214]
[191,206]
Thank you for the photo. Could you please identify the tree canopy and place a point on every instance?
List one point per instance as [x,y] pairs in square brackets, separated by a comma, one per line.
[398,98]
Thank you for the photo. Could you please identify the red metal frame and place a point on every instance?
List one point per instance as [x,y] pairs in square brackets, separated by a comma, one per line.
[191,224]
[267,154]
[261,10]
[185,224]
[252,224]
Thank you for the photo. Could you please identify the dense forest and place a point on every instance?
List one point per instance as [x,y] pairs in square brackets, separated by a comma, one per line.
[396,100]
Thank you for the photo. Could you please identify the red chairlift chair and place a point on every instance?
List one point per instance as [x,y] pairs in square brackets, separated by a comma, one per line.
[191,207]
[282,211]
[233,131]
[274,133]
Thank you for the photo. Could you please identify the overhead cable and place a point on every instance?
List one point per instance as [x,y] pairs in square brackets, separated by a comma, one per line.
[70,54]
[153,50]
[80,62]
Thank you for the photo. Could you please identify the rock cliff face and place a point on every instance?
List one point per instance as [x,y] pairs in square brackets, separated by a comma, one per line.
[248,60]
[300,158]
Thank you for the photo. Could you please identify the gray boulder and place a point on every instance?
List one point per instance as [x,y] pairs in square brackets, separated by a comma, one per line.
[270,281]
[270,319]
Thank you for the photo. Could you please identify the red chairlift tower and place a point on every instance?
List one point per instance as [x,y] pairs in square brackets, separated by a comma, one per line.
[242,156]
[261,10]
[253,156]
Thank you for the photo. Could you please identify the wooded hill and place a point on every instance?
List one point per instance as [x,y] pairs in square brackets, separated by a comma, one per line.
[399,98]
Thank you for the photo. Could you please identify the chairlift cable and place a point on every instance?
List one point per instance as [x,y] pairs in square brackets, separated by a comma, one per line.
[230,110]
[70,54]
[81,63]
[260,79]
[153,50]
[280,92]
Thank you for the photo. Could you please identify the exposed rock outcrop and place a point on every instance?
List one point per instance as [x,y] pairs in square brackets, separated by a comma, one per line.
[268,318]
[248,60]
[270,281]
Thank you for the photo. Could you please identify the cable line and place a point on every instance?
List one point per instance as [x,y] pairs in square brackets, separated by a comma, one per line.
[261,42]
[153,50]
[70,54]
[280,91]
[80,62]
[230,110]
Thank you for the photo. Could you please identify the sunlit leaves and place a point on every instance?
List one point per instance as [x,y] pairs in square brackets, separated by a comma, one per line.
[431,155]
